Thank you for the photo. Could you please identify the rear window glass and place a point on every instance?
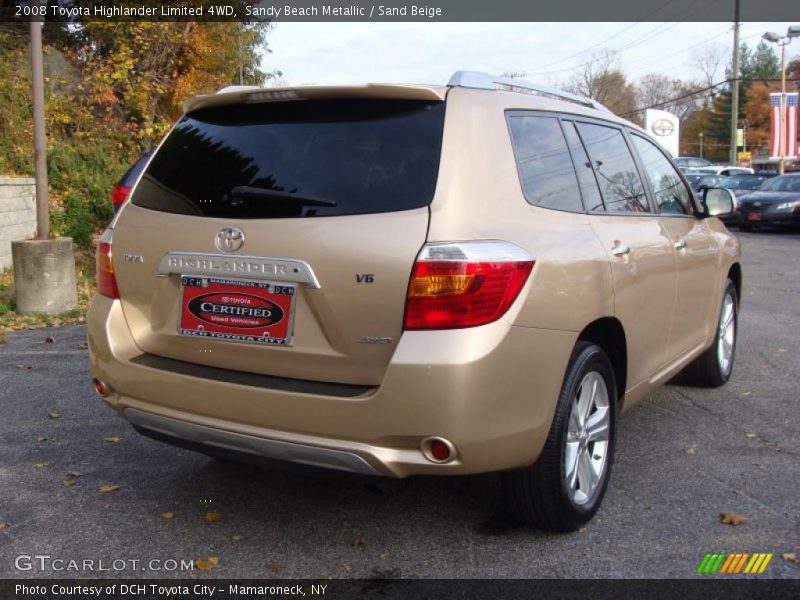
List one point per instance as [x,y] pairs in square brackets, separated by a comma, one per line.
[297,159]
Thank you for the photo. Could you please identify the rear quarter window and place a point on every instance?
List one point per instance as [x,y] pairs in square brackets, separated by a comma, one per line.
[544,163]
[297,159]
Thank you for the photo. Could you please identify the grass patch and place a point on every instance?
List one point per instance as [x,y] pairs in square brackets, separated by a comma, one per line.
[84,275]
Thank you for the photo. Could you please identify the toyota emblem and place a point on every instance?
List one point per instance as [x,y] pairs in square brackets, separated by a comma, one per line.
[662,127]
[229,239]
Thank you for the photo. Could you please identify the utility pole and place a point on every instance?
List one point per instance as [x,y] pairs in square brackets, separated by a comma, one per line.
[735,86]
[39,137]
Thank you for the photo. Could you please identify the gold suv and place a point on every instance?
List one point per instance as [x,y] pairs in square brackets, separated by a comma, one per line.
[403,280]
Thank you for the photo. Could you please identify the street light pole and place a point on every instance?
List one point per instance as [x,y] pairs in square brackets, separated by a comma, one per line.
[735,86]
[701,144]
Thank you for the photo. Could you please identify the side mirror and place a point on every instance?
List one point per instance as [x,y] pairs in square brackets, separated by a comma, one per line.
[718,202]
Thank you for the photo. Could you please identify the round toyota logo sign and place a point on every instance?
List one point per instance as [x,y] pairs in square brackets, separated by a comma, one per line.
[229,239]
[663,127]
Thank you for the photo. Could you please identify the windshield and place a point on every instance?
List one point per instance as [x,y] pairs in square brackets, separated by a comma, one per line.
[741,183]
[784,183]
[297,159]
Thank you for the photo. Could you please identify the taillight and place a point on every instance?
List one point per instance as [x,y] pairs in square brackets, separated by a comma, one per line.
[465,284]
[119,195]
[106,280]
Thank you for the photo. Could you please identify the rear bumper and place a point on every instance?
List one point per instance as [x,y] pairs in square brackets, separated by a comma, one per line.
[490,390]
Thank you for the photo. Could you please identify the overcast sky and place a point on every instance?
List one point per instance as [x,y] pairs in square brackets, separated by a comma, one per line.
[346,53]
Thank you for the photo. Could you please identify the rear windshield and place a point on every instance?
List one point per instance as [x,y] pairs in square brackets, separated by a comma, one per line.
[297,159]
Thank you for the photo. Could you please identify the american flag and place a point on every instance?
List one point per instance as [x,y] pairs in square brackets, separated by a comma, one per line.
[791,125]
[783,146]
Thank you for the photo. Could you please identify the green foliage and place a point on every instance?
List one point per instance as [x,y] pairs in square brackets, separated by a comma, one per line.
[112,90]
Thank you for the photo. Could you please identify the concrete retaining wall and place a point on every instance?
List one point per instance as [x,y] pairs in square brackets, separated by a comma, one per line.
[17,214]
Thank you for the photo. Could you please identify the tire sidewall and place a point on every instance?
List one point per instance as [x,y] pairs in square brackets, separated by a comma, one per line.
[729,289]
[586,359]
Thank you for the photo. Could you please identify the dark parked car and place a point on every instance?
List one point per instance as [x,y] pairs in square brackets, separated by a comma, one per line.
[125,183]
[741,186]
[700,182]
[776,203]
[684,162]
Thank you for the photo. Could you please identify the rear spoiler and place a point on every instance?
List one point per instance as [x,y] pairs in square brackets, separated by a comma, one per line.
[248,94]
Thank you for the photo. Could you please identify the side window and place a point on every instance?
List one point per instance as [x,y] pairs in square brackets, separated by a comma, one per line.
[591,193]
[543,162]
[670,193]
[616,172]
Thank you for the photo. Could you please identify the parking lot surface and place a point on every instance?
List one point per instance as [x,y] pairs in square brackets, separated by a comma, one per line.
[684,456]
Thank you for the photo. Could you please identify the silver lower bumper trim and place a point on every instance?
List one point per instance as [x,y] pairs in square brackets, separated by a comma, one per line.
[272,449]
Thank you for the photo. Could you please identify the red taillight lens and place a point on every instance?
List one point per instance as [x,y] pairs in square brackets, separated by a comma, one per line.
[106,280]
[453,294]
[119,195]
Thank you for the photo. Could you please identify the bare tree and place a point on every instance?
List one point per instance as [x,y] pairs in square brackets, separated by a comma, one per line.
[709,59]
[602,79]
[661,92]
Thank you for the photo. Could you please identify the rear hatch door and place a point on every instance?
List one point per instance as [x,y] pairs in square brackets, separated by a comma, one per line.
[278,237]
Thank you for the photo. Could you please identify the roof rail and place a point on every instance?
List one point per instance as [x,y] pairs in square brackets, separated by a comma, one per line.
[485,81]
[237,88]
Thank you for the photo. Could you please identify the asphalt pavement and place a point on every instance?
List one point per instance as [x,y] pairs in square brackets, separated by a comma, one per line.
[684,456]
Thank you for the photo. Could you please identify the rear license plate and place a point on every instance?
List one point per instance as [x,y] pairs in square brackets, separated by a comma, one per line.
[754,216]
[237,310]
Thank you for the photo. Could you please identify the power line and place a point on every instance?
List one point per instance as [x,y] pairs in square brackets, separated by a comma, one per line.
[700,91]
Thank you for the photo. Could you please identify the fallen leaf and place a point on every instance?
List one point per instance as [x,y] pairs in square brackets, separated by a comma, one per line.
[26,367]
[82,346]
[275,568]
[731,519]
[2,337]
[357,543]
[43,438]
[54,415]
[68,483]
[168,516]
[582,530]
[347,568]
[745,394]
[3,525]
[690,450]
[755,463]
[41,465]
[112,439]
[790,556]
[212,516]
[750,435]
[73,474]
[206,563]
[107,489]
[236,538]
[49,339]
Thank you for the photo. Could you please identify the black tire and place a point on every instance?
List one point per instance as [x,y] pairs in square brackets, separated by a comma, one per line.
[540,495]
[707,369]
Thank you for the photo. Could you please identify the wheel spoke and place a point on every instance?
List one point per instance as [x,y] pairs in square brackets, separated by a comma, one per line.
[571,464]
[597,426]
[586,474]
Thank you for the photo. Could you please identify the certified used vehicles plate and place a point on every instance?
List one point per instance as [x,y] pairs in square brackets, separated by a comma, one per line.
[237,310]
[754,216]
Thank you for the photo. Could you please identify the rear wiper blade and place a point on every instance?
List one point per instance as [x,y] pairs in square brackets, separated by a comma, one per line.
[248,191]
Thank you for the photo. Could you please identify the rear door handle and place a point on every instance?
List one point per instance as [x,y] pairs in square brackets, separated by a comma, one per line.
[620,249]
[680,245]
